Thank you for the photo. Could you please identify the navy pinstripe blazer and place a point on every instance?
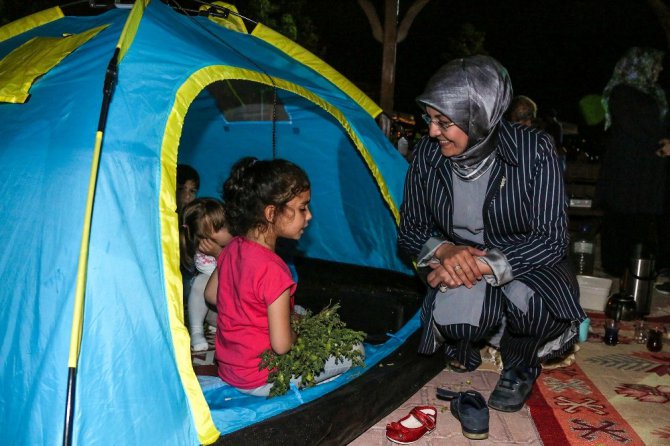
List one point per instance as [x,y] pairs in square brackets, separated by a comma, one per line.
[524,213]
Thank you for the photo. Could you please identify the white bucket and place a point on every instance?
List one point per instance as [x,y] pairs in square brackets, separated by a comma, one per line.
[593,292]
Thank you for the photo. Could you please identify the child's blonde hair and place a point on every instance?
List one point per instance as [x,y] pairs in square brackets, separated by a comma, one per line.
[198,221]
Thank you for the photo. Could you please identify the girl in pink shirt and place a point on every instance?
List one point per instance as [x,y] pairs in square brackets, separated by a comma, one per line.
[252,287]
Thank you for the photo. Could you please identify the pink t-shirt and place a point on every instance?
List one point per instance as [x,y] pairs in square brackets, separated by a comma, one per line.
[251,277]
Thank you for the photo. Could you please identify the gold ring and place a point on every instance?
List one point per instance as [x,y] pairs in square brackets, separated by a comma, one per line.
[457,267]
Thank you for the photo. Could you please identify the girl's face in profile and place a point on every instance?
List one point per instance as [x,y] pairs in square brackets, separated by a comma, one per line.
[296,216]
[453,141]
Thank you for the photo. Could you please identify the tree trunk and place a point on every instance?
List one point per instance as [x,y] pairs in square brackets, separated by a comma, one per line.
[389,35]
[389,55]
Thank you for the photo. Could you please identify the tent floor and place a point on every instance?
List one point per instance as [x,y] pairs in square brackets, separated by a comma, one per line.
[377,302]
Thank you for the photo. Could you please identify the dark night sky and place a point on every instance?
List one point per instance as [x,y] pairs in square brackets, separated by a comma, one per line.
[555,50]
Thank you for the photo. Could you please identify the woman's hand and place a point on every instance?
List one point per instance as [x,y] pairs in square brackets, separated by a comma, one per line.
[456,265]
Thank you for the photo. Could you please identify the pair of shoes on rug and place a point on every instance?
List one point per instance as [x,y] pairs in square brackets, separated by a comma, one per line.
[513,389]
[663,288]
[420,421]
[470,409]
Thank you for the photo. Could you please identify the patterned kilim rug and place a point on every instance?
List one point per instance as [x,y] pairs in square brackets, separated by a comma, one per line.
[611,395]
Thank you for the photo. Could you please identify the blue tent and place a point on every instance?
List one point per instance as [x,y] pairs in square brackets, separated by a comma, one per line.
[102,296]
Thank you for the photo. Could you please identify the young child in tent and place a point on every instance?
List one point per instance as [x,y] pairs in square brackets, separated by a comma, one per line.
[202,235]
[252,287]
[188,183]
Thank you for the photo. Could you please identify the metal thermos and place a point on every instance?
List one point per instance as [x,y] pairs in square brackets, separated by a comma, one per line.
[639,279]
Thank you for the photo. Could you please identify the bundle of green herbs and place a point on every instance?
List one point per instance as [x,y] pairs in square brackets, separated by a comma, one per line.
[320,336]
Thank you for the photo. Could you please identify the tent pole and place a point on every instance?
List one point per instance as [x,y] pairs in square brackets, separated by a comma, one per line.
[82,266]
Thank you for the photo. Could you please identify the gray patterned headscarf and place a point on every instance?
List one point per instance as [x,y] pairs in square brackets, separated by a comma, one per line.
[473,92]
[637,68]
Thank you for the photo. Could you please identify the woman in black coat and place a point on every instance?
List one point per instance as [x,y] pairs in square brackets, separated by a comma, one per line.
[484,209]
[632,183]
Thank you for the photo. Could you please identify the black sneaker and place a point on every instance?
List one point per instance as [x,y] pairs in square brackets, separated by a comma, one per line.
[470,409]
[513,389]
[663,288]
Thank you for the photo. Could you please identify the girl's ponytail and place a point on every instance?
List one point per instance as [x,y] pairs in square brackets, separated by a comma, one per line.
[186,243]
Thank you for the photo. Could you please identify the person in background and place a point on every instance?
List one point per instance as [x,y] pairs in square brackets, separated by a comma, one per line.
[523,110]
[252,286]
[403,143]
[632,184]
[484,215]
[202,235]
[188,184]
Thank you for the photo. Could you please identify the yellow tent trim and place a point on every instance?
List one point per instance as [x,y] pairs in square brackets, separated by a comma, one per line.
[233,22]
[307,58]
[27,23]
[130,27]
[20,68]
[82,263]
[169,225]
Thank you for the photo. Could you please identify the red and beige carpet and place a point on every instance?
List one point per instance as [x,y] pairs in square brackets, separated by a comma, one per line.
[610,395]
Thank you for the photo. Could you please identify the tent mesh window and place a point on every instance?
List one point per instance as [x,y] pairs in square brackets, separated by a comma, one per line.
[241,100]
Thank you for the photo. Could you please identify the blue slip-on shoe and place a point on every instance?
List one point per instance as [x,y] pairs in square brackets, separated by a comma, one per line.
[513,389]
[470,409]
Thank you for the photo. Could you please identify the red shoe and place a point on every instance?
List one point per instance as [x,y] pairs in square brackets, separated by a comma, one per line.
[420,421]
